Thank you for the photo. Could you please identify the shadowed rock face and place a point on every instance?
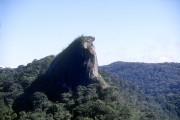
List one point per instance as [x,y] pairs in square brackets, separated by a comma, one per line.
[76,65]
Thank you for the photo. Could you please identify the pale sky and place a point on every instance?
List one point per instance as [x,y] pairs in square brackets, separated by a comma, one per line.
[125,30]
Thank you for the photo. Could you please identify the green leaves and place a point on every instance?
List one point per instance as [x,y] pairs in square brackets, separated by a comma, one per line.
[6,113]
[59,112]
[39,100]
[98,104]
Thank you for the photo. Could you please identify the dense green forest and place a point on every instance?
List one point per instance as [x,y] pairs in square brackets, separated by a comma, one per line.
[70,87]
[158,80]
[121,101]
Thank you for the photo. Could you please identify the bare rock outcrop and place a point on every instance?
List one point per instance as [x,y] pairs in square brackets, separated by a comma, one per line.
[76,65]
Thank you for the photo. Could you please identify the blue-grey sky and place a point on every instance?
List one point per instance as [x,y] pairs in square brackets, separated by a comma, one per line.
[125,30]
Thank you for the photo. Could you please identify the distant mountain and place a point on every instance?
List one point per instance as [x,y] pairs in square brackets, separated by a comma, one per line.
[158,80]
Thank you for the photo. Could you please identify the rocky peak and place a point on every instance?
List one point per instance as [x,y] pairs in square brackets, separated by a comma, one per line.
[76,65]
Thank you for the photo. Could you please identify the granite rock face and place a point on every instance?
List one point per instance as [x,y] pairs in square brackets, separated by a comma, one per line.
[76,65]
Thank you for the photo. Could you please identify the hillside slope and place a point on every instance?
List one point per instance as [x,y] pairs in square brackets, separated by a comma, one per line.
[132,104]
[158,80]
[70,87]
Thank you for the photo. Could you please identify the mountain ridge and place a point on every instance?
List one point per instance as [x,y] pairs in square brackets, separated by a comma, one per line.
[158,80]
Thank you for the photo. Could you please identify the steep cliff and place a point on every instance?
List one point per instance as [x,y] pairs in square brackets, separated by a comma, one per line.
[76,65]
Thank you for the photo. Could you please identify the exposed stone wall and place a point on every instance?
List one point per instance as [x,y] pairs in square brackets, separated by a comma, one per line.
[76,65]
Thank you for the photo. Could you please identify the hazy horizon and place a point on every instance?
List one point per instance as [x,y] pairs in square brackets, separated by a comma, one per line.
[130,31]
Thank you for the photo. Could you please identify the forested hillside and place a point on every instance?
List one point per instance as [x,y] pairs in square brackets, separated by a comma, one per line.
[158,80]
[69,86]
[122,101]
